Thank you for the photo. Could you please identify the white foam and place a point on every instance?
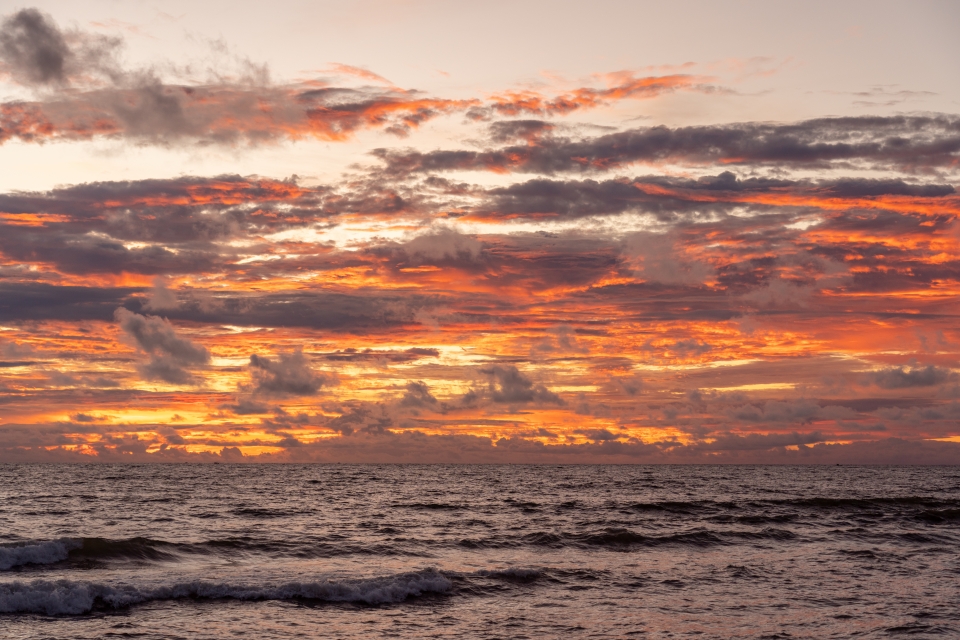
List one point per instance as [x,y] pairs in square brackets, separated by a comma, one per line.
[37,553]
[68,597]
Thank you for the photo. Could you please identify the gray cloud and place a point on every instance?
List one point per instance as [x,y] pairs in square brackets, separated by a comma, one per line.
[87,94]
[32,48]
[904,378]
[658,257]
[288,375]
[506,384]
[910,142]
[171,357]
[418,395]
[759,441]
[35,52]
[801,411]
[161,297]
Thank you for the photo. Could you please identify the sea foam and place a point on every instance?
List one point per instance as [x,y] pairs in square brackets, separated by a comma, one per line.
[37,552]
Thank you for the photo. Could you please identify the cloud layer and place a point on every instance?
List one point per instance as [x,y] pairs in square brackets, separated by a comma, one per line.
[541,290]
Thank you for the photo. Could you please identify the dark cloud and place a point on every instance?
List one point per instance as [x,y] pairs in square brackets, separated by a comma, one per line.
[559,341]
[443,245]
[905,378]
[171,357]
[35,52]
[513,130]
[418,395]
[288,375]
[182,225]
[98,98]
[759,441]
[910,142]
[630,385]
[597,435]
[32,48]
[363,418]
[41,301]
[353,313]
[802,411]
[670,200]
[506,384]
[871,187]
[246,407]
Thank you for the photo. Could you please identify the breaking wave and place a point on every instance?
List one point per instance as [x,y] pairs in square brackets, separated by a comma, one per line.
[37,552]
[70,597]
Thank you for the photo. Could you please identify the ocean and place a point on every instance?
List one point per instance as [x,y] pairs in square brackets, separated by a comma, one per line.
[408,551]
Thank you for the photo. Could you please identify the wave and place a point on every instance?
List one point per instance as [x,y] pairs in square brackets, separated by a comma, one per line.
[512,574]
[612,538]
[46,552]
[68,597]
[938,516]
[432,506]
[85,552]
[89,550]
[626,538]
[817,502]
[865,503]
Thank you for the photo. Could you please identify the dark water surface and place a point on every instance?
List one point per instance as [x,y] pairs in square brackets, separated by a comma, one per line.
[339,551]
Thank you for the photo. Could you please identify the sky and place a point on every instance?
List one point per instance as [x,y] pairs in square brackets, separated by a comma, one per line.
[424,231]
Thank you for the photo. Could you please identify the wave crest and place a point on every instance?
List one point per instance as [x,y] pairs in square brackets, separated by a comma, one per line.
[37,552]
[68,597]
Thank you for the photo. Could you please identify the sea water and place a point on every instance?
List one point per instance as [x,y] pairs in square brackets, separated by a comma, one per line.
[341,551]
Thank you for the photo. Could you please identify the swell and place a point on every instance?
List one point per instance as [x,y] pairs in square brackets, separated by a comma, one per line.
[929,525]
[86,552]
[621,539]
[69,597]
[813,503]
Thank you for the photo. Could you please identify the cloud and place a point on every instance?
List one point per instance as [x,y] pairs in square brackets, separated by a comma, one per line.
[407,355]
[106,100]
[906,378]
[89,95]
[622,85]
[802,411]
[288,375]
[659,258]
[418,395]
[442,244]
[592,258]
[35,52]
[597,435]
[631,385]
[171,357]
[559,340]
[246,407]
[897,142]
[161,298]
[508,385]
[149,111]
[759,441]
[32,48]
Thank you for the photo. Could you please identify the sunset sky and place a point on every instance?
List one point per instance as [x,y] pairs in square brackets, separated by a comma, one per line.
[413,231]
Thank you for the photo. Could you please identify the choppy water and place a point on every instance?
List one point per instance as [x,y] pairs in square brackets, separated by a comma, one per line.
[224,551]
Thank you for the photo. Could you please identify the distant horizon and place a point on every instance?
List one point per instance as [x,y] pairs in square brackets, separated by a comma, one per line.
[396,232]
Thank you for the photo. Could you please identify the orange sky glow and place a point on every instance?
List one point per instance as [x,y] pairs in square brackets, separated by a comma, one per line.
[547,271]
